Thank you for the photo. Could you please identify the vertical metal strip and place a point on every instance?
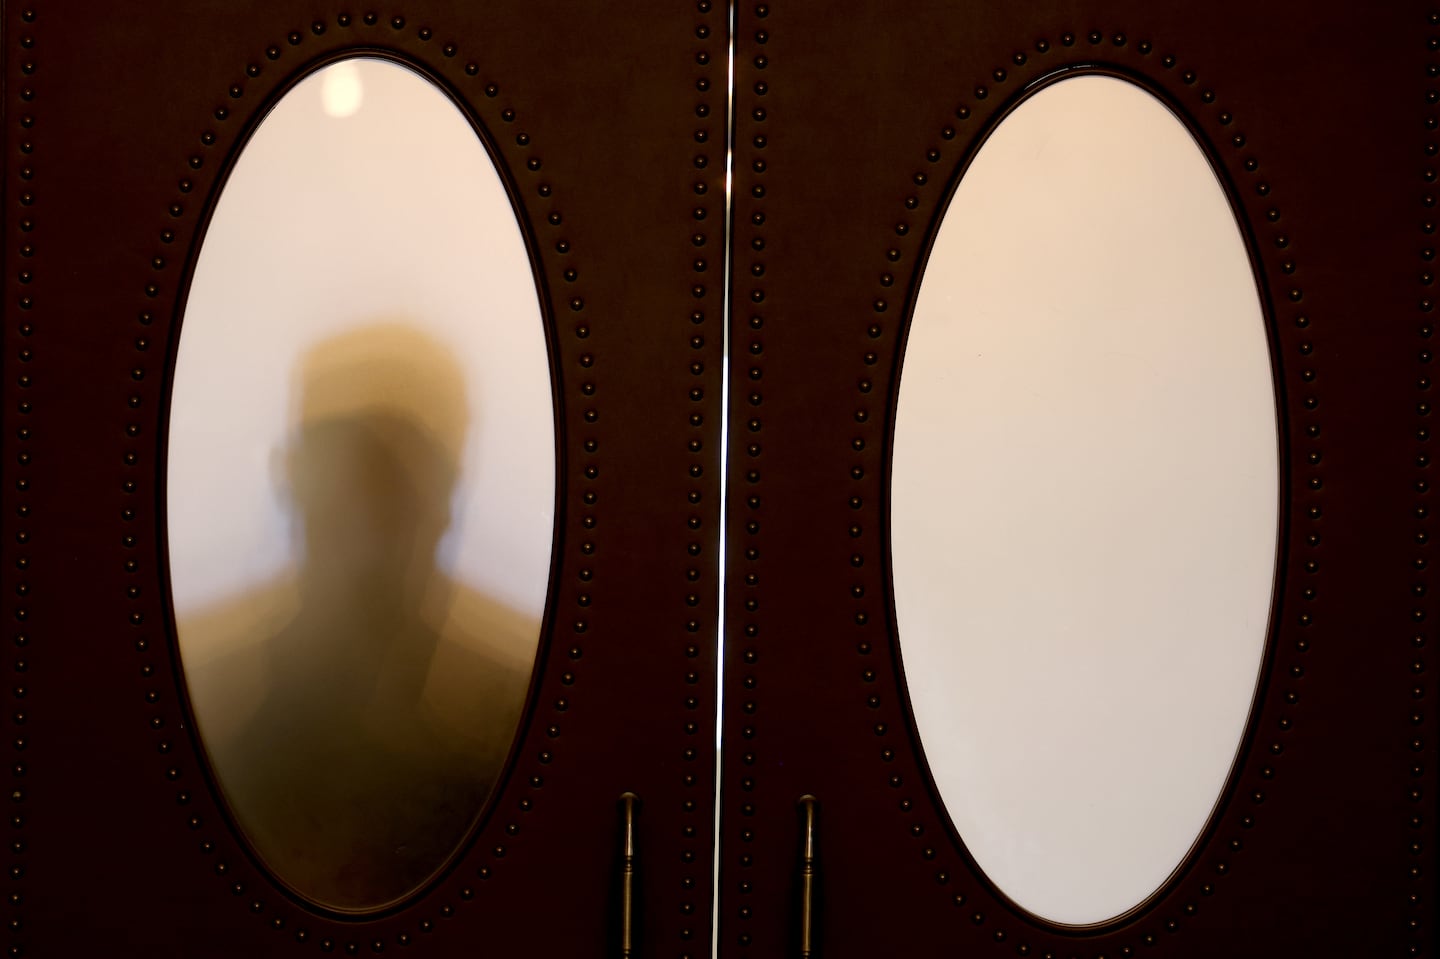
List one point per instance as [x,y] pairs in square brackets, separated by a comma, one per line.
[725,310]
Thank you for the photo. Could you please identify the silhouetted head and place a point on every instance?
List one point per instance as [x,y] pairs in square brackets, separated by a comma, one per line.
[377,432]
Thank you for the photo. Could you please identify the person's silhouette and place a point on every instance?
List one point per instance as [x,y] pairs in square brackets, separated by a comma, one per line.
[356,772]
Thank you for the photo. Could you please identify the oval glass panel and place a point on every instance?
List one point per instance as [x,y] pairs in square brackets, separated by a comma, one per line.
[360,483]
[1084,500]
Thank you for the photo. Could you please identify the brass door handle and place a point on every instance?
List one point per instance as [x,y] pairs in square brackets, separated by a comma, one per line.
[808,805]
[629,805]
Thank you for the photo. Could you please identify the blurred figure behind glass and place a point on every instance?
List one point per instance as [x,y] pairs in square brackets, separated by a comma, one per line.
[364,702]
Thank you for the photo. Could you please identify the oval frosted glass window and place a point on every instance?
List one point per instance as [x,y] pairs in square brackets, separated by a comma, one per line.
[1084,499]
[361,483]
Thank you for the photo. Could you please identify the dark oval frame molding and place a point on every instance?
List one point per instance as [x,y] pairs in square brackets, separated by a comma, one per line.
[228,854]
[1286,494]
[249,123]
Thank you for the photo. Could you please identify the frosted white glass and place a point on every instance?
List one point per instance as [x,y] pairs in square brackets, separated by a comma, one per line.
[1084,499]
[360,484]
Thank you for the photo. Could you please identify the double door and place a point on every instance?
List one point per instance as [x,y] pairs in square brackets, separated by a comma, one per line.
[719,522]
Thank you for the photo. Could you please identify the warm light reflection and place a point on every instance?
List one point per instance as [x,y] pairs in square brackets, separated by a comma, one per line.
[341,90]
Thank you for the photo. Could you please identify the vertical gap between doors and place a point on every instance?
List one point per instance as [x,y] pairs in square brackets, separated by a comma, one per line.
[724,470]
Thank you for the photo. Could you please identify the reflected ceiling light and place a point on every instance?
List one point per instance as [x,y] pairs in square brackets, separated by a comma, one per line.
[341,90]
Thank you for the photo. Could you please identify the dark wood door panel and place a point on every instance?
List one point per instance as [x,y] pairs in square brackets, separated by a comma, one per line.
[608,127]
[852,128]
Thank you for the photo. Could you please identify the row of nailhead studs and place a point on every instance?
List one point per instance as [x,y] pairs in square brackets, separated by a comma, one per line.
[1416,907]
[755,347]
[152,290]
[22,480]
[694,828]
[866,433]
